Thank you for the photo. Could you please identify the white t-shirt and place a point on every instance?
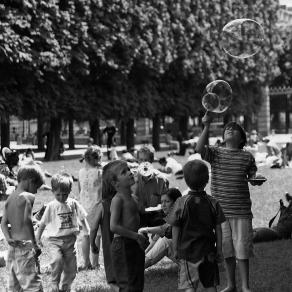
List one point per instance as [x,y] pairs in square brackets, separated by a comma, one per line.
[61,219]
[173,165]
[90,187]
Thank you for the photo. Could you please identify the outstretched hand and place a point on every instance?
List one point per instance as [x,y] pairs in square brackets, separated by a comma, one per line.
[207,118]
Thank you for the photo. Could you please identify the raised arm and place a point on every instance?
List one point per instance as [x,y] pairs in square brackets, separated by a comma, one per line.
[203,140]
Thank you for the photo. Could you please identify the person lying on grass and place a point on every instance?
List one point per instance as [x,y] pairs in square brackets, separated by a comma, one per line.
[283,228]
[161,244]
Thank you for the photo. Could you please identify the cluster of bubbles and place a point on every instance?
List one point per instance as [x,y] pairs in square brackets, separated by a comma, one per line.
[241,38]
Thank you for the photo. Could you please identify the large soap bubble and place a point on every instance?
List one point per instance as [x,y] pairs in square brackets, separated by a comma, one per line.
[242,38]
[217,96]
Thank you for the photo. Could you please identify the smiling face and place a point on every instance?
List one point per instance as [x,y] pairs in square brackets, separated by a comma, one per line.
[166,204]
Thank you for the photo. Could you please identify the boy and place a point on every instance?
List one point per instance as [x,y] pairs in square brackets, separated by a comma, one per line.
[61,217]
[127,248]
[23,251]
[196,231]
[231,168]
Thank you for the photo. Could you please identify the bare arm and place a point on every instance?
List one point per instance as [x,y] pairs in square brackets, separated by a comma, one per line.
[203,140]
[39,233]
[160,230]
[218,231]
[4,227]
[95,225]
[175,235]
[85,225]
[28,217]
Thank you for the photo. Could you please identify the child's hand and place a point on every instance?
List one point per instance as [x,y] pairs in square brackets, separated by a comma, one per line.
[143,230]
[142,241]
[38,250]
[40,244]
[219,257]
[12,242]
[207,118]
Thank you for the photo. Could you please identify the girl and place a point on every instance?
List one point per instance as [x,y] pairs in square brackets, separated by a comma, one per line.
[89,184]
[161,244]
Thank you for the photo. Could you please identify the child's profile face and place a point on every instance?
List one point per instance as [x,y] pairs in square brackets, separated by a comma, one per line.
[125,177]
[61,196]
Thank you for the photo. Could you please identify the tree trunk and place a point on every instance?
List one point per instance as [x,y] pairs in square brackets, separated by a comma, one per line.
[156,132]
[94,131]
[40,132]
[130,139]
[5,130]
[122,132]
[53,139]
[71,141]
[183,126]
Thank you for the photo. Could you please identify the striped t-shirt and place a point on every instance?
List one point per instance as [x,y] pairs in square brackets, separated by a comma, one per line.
[230,169]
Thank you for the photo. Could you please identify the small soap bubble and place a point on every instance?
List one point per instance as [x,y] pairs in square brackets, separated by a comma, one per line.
[242,38]
[217,96]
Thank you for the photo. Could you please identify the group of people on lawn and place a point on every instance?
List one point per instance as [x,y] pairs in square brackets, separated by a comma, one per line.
[196,231]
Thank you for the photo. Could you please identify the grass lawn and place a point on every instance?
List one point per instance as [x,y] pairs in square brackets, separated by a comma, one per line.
[270,268]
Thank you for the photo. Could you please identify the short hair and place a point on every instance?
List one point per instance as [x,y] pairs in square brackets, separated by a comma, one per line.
[173,194]
[32,172]
[92,152]
[237,127]
[62,181]
[162,160]
[196,174]
[148,150]
[109,175]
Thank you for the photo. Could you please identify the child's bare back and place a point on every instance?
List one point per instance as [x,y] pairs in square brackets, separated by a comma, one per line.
[18,208]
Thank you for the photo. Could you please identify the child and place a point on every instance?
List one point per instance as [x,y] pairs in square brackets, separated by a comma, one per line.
[231,167]
[89,184]
[61,217]
[196,231]
[101,218]
[23,251]
[127,248]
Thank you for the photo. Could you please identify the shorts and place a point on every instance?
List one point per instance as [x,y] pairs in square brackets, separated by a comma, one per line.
[188,274]
[128,261]
[237,237]
[22,265]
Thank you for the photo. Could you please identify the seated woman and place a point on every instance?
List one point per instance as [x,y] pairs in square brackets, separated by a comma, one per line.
[161,244]
[282,230]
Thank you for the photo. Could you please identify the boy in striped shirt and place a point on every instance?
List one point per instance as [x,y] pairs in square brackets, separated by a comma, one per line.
[231,167]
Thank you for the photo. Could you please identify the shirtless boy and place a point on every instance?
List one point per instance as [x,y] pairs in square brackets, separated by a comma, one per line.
[128,245]
[22,262]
